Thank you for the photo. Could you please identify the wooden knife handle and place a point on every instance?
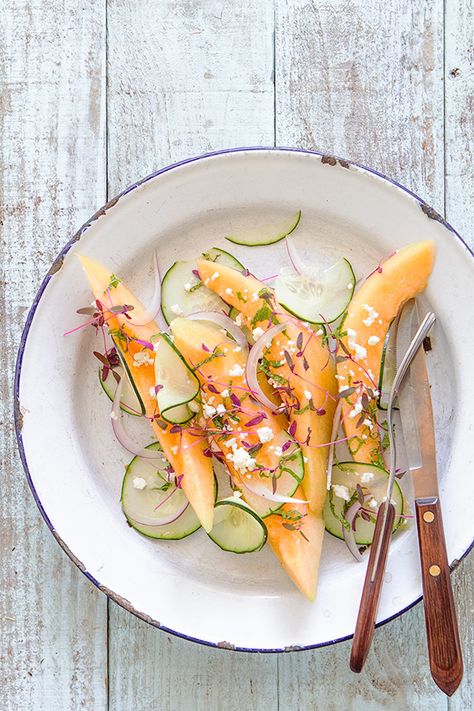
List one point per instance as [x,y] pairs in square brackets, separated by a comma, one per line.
[441,624]
[369,601]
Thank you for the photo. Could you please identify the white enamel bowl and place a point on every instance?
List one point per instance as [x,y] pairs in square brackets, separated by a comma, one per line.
[74,465]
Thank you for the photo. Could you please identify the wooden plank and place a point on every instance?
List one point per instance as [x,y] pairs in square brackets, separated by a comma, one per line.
[459,93]
[52,620]
[364,80]
[185,78]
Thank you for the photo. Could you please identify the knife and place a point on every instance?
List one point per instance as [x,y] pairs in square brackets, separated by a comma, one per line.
[364,629]
[416,414]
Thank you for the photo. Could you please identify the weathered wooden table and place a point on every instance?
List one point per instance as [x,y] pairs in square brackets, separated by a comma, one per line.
[96,93]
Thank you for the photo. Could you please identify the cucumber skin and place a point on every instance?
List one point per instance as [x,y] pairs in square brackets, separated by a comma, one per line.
[170,343]
[251,512]
[271,241]
[124,408]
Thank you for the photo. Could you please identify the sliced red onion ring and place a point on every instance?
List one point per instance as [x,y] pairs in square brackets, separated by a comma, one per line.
[145,521]
[153,312]
[122,435]
[251,369]
[264,493]
[335,426]
[349,537]
[294,257]
[223,321]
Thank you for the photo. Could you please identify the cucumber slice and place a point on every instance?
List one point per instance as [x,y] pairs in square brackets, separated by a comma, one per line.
[289,478]
[269,233]
[349,474]
[180,385]
[388,369]
[131,382]
[316,296]
[176,300]
[237,528]
[130,402]
[141,503]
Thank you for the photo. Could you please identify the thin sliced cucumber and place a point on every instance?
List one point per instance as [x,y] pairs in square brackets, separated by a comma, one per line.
[316,297]
[388,368]
[179,384]
[141,407]
[141,503]
[349,474]
[269,233]
[237,528]
[130,402]
[183,293]
[289,477]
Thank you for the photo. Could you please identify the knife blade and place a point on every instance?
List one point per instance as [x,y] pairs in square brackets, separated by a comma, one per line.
[416,415]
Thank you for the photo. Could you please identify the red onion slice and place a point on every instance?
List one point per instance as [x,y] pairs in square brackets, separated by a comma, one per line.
[153,312]
[335,426]
[348,534]
[251,368]
[294,257]
[221,320]
[270,496]
[121,433]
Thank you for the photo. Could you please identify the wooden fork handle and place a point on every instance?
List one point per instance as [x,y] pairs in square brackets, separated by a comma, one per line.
[372,585]
[441,624]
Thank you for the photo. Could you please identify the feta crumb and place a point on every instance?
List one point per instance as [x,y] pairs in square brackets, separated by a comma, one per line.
[265,434]
[366,477]
[142,358]
[351,373]
[215,276]
[305,460]
[209,410]
[364,436]
[229,291]
[225,393]
[238,320]
[225,350]
[320,332]
[237,349]
[236,371]
[174,449]
[278,451]
[372,503]
[372,315]
[351,333]
[257,332]
[139,483]
[220,409]
[152,393]
[187,286]
[230,442]
[255,296]
[177,310]
[340,377]
[368,423]
[237,494]
[356,410]
[113,415]
[241,459]
[341,491]
[350,285]
[373,340]
[308,394]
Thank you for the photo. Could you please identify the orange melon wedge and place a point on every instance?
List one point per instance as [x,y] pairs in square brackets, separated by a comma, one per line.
[319,380]
[198,476]
[376,304]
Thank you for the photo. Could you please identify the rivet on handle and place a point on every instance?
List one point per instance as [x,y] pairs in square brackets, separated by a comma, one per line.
[434,570]
[428,516]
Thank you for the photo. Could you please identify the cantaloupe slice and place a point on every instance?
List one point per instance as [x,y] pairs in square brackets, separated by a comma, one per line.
[299,554]
[376,304]
[198,476]
[319,380]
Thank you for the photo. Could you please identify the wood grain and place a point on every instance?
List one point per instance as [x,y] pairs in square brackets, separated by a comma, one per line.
[185,78]
[52,621]
[459,86]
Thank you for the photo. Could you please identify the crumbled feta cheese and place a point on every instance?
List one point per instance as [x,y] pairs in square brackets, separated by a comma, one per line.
[236,370]
[359,351]
[142,358]
[351,373]
[320,332]
[187,286]
[237,349]
[177,310]
[220,409]
[193,405]
[238,320]
[372,315]
[255,296]
[342,387]
[356,410]
[351,333]
[308,394]
[152,392]
[174,449]
[113,415]
[350,285]
[225,393]
[241,459]
[206,281]
[366,477]
[265,434]
[215,276]
[232,442]
[305,460]
[246,291]
[139,483]
[340,377]
[364,436]
[373,340]
[209,410]
[372,503]
[237,494]
[211,399]
[229,291]
[225,350]
[341,491]
[368,423]
[257,332]
[278,451]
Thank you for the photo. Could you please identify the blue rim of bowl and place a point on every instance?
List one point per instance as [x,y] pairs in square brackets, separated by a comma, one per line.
[330,160]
